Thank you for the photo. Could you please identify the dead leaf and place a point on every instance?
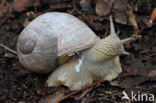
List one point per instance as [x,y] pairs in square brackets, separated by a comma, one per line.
[135,66]
[120,17]
[3,7]
[9,55]
[152,73]
[128,82]
[41,92]
[153,14]
[120,5]
[115,83]
[147,22]
[36,3]
[120,8]
[52,98]
[21,102]
[26,22]
[132,65]
[20,5]
[85,5]
[132,19]
[103,7]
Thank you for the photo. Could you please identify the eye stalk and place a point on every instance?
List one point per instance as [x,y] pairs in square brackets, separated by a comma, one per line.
[112,30]
[119,43]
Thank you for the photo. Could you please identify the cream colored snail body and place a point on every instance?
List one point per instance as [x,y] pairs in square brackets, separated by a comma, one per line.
[47,43]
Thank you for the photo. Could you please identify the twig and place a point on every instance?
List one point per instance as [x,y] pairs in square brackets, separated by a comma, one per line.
[75,92]
[127,74]
[8,49]
[85,92]
[94,84]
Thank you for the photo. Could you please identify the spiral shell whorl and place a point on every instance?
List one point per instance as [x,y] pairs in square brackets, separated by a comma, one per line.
[37,49]
[51,36]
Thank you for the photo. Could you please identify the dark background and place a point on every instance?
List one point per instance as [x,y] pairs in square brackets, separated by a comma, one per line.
[17,85]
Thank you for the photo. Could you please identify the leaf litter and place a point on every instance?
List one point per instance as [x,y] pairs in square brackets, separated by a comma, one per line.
[138,68]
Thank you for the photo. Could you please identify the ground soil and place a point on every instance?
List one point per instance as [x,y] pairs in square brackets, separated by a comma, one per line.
[19,86]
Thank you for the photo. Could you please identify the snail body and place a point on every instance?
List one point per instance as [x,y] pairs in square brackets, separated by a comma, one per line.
[97,59]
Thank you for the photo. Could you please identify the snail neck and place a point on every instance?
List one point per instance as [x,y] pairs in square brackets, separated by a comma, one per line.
[103,50]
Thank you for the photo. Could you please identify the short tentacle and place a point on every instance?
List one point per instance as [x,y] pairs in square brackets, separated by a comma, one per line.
[125,52]
[126,40]
[121,42]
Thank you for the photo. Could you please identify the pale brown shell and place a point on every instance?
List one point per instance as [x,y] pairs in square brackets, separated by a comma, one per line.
[72,34]
[50,36]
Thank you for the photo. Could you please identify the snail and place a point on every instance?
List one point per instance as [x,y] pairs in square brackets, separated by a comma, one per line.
[62,44]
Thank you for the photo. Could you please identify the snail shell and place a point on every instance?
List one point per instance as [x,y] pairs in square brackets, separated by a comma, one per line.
[51,36]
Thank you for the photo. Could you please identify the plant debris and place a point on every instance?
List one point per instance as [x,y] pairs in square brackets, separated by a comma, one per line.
[18,85]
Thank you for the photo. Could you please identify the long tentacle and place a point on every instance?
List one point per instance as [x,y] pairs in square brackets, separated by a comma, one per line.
[112,30]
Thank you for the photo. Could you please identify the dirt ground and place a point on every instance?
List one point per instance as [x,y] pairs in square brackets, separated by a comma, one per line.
[17,85]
